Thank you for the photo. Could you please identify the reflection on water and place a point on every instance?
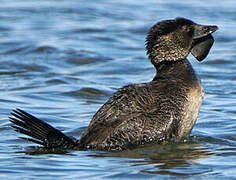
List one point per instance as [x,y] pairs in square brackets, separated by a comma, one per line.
[174,159]
[177,159]
[61,60]
[168,156]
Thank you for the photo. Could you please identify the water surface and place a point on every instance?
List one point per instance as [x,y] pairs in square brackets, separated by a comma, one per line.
[61,60]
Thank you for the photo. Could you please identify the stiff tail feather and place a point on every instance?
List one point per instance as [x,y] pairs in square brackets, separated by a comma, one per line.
[40,132]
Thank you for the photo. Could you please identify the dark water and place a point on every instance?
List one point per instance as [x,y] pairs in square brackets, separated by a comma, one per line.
[61,60]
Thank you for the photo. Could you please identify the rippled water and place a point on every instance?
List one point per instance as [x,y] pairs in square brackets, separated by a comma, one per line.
[61,60]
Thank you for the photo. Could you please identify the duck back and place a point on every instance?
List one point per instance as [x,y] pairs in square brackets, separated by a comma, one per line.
[163,109]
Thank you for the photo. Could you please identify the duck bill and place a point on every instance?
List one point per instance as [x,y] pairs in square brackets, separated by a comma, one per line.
[202,41]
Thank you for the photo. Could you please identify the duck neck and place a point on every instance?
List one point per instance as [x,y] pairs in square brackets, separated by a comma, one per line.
[173,69]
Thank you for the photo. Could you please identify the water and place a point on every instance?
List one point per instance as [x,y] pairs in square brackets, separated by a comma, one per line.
[61,60]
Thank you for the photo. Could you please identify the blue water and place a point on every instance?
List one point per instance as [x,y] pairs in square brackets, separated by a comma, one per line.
[61,60]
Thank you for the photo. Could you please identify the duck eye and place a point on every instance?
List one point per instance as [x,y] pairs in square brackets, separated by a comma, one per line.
[188,29]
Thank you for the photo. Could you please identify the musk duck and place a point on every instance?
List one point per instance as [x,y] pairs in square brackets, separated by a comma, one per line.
[164,109]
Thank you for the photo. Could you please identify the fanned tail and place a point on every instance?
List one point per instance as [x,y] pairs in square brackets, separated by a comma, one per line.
[40,132]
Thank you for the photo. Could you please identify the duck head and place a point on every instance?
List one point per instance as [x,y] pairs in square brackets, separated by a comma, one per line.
[173,40]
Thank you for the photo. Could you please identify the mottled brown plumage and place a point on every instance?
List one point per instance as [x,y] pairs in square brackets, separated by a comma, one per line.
[150,112]
[161,110]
